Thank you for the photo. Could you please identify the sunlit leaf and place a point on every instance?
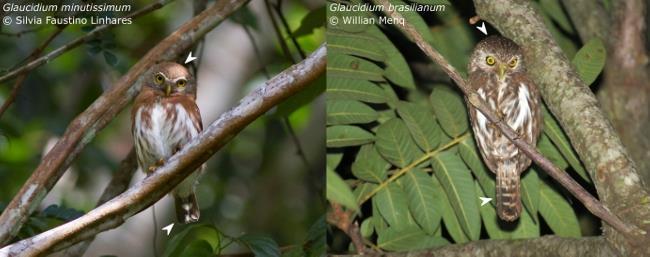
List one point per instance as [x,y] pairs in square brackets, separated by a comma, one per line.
[397,70]
[422,125]
[470,155]
[557,212]
[556,134]
[420,194]
[452,224]
[354,89]
[369,165]
[530,191]
[357,44]
[349,112]
[391,203]
[346,66]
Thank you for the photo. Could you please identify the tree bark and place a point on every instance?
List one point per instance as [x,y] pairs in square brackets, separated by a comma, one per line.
[625,93]
[551,246]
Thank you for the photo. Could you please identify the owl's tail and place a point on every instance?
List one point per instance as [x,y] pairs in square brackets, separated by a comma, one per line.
[187,209]
[508,196]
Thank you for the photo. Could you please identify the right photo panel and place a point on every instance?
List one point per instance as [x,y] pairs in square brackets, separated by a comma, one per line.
[487,128]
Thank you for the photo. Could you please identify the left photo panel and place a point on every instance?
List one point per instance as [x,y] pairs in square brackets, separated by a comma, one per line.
[166,128]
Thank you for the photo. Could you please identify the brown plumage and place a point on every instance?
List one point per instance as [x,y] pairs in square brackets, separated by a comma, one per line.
[164,118]
[498,74]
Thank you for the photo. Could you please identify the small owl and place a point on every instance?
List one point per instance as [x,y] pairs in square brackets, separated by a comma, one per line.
[164,118]
[498,74]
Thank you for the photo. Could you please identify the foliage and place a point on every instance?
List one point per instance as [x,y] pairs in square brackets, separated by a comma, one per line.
[403,146]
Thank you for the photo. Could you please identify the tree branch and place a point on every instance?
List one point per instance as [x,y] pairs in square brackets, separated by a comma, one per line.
[344,220]
[551,246]
[83,128]
[118,184]
[589,18]
[572,102]
[593,205]
[77,42]
[179,166]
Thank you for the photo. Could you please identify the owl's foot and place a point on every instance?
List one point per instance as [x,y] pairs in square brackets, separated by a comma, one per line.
[158,164]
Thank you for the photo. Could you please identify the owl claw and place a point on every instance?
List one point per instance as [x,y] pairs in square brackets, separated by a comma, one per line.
[152,168]
[160,162]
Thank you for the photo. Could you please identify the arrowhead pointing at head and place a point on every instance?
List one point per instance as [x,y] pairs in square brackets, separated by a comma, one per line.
[485,200]
[168,228]
[189,58]
[482,28]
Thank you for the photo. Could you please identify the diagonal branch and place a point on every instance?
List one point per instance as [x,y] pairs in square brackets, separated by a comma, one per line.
[84,127]
[593,205]
[546,246]
[77,42]
[179,166]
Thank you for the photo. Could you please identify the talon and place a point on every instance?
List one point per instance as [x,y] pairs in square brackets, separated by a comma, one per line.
[160,162]
[152,168]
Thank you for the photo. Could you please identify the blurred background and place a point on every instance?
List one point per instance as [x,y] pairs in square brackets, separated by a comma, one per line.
[257,184]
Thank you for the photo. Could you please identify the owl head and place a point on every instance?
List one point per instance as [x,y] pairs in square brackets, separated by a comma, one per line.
[169,78]
[497,55]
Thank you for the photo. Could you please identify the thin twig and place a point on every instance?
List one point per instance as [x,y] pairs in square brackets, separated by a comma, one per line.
[593,205]
[102,111]
[287,28]
[77,42]
[278,33]
[21,78]
[146,192]
[344,220]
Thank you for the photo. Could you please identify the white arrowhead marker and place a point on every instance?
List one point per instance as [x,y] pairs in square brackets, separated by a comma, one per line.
[485,200]
[189,58]
[482,28]
[168,228]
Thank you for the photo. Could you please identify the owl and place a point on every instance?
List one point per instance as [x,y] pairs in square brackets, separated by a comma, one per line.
[164,118]
[498,74]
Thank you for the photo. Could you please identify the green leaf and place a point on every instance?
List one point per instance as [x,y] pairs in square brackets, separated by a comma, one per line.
[450,219]
[346,66]
[590,60]
[414,19]
[450,110]
[408,239]
[391,96]
[338,191]
[362,191]
[557,212]
[316,236]
[547,149]
[333,160]
[397,70]
[342,136]
[556,134]
[198,248]
[554,9]
[349,112]
[391,203]
[530,191]
[357,44]
[354,89]
[110,58]
[468,151]
[369,165]
[422,125]
[195,232]
[366,228]
[395,144]
[313,20]
[420,193]
[261,245]
[458,184]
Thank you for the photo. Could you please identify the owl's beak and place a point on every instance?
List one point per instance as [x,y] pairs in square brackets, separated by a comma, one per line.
[168,89]
[502,71]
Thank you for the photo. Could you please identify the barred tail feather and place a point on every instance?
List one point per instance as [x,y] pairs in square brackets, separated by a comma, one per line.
[508,196]
[187,209]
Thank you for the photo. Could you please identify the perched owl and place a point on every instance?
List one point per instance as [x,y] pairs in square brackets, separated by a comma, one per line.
[164,118]
[498,74]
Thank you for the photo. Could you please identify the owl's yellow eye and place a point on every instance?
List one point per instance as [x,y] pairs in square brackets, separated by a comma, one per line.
[158,79]
[512,63]
[490,60]
[181,83]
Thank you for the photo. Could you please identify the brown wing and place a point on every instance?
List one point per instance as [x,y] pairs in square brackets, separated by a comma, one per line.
[187,101]
[476,81]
